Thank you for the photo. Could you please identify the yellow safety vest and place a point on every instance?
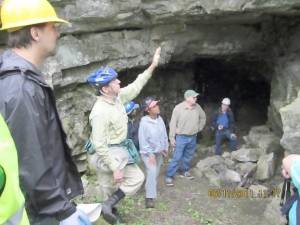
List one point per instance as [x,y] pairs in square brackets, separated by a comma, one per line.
[12,201]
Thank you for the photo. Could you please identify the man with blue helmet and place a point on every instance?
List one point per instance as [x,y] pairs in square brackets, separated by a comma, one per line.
[133,122]
[130,107]
[119,174]
[102,77]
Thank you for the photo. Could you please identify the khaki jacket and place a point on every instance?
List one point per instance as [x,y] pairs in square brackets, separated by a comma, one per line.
[109,120]
[186,121]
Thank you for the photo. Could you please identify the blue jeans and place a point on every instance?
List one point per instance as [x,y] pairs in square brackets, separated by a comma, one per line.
[183,154]
[220,136]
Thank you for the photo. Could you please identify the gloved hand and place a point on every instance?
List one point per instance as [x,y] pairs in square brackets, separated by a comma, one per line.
[77,218]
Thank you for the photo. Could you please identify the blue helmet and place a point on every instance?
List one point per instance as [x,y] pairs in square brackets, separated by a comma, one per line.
[130,106]
[102,76]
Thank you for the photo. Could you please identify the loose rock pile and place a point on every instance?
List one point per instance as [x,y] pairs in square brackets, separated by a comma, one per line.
[252,163]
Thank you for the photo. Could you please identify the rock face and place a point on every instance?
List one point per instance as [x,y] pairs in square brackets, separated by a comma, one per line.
[290,115]
[124,34]
[246,168]
[245,155]
[263,139]
[216,170]
[265,167]
[285,90]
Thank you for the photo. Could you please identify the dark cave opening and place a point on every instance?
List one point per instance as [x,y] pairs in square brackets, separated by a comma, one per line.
[245,82]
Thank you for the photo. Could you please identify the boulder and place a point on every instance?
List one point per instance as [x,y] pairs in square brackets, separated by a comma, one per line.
[245,155]
[246,168]
[265,167]
[229,163]
[265,140]
[215,169]
[213,177]
[208,163]
[221,178]
[231,176]
[226,155]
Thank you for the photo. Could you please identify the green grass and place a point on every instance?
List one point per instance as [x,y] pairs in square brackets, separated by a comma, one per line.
[196,215]
[133,210]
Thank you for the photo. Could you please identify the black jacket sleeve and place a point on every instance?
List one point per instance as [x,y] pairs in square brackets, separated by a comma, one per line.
[27,118]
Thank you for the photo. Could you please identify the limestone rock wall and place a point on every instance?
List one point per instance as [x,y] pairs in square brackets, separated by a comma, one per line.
[285,86]
[291,129]
[124,34]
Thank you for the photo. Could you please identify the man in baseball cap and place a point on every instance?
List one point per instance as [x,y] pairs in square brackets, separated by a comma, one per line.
[188,119]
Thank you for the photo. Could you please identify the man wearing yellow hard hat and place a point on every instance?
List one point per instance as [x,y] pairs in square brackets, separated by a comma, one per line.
[48,176]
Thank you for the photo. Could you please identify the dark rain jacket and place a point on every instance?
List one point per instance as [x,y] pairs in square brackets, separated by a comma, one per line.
[231,122]
[133,132]
[48,176]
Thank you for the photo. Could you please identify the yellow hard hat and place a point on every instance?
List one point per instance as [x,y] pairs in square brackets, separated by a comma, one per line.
[16,14]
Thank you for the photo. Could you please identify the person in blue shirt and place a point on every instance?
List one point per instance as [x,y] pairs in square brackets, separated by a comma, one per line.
[291,170]
[224,126]
[133,122]
[154,145]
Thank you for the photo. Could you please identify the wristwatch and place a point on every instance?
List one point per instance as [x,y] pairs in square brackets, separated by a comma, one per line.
[2,180]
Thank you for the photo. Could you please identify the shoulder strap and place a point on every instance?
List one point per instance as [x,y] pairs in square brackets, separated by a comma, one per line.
[21,71]
[10,71]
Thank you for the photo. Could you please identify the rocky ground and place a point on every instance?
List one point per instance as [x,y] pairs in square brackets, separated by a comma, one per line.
[236,188]
[192,203]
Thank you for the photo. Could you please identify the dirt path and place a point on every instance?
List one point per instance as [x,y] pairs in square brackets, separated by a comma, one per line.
[188,203]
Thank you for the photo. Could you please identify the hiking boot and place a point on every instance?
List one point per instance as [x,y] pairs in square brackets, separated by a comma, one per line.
[169,181]
[187,175]
[108,211]
[149,202]
[116,212]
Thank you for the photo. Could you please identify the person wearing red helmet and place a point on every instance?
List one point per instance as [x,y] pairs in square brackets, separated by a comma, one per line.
[154,145]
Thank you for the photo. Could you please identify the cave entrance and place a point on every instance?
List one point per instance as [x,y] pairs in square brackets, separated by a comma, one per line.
[245,82]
